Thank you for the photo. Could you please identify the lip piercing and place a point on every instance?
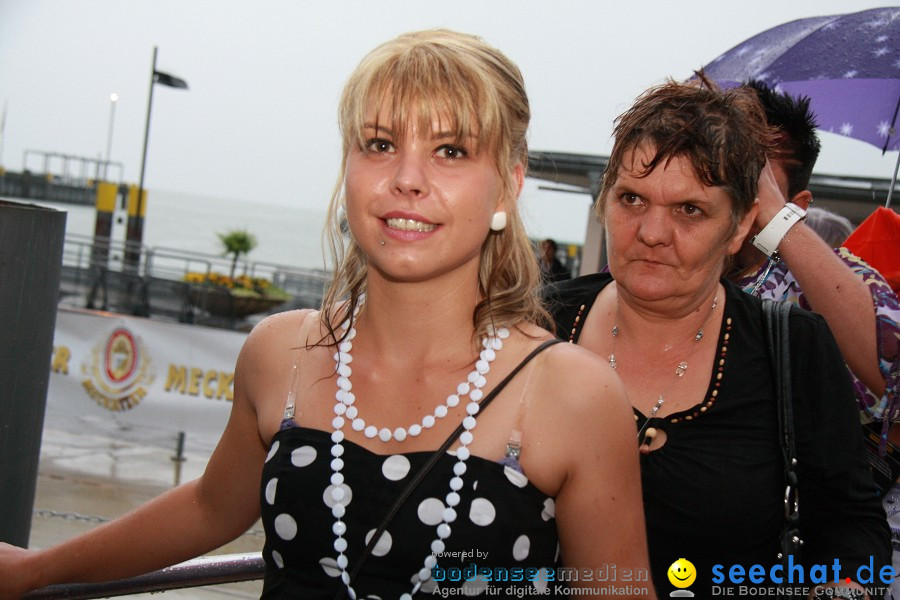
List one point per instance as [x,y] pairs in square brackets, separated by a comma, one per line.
[382,242]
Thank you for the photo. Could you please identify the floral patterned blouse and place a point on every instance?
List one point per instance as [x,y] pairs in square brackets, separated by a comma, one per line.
[777,282]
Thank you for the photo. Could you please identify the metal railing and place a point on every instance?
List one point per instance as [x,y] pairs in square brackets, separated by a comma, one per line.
[96,275]
[207,570]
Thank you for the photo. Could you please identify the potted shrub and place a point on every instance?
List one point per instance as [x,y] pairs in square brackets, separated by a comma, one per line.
[224,296]
[230,296]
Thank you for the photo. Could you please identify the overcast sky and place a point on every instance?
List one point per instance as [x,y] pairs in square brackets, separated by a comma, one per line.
[259,119]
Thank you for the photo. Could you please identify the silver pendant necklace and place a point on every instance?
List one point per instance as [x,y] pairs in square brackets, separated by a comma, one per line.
[645,434]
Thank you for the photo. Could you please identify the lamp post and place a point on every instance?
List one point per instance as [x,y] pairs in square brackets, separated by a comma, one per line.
[2,129]
[135,232]
[113,98]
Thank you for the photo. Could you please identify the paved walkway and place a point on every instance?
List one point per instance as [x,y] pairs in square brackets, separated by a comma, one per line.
[86,479]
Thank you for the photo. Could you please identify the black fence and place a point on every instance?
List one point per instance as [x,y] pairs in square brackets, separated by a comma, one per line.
[163,286]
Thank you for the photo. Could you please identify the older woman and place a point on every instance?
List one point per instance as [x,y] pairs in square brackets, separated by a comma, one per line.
[433,310]
[678,198]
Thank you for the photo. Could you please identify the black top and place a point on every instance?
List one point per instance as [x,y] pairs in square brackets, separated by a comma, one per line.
[555,271]
[503,523]
[713,493]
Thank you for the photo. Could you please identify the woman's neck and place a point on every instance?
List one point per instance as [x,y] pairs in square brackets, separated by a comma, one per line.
[417,321]
[650,326]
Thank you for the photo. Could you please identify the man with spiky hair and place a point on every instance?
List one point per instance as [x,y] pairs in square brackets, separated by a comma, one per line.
[859,306]
[855,300]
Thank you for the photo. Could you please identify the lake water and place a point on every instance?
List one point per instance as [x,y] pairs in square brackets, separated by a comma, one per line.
[292,236]
[285,235]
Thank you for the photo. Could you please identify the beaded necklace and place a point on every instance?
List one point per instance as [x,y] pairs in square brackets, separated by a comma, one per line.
[344,407]
[646,434]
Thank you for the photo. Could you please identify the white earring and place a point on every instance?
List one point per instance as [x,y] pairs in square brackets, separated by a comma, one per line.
[498,221]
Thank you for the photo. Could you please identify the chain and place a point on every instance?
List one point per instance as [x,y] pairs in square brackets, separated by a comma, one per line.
[48,514]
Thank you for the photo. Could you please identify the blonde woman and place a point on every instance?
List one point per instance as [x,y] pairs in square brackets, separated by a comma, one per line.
[336,412]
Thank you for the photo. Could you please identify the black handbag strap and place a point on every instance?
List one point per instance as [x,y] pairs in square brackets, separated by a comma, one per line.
[780,351]
[432,460]
[778,342]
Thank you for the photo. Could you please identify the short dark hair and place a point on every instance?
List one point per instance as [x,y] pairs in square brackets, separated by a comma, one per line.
[723,134]
[796,142]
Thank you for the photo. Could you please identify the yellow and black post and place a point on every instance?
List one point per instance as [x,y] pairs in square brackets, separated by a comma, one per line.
[107,193]
[134,235]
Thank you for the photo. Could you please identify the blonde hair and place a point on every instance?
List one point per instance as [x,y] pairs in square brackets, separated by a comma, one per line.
[441,75]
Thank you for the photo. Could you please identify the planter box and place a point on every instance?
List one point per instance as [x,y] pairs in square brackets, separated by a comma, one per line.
[221,303]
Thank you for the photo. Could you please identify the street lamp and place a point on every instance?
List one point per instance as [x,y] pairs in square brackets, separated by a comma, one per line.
[135,232]
[113,98]
[2,128]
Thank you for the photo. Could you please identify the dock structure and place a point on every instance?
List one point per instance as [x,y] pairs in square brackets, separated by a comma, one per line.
[58,177]
[131,278]
[95,275]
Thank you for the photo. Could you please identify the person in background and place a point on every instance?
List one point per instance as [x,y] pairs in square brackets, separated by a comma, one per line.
[433,305]
[830,226]
[552,268]
[858,305]
[677,200]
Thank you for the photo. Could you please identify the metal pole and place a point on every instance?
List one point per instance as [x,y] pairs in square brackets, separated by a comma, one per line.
[887,142]
[135,233]
[146,133]
[3,129]
[113,98]
[206,570]
[893,181]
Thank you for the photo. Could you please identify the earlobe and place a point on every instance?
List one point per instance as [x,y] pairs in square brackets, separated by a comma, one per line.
[803,199]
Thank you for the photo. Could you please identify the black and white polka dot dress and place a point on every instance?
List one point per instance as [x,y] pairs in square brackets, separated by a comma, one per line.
[504,524]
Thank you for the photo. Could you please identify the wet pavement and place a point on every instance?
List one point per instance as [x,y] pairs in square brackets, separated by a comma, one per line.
[85,479]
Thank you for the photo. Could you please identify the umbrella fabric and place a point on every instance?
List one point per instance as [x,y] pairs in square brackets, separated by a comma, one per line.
[877,241]
[848,65]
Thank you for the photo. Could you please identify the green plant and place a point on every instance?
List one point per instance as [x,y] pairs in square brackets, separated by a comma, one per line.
[237,242]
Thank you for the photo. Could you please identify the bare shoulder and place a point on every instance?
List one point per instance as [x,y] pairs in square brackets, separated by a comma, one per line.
[285,324]
[272,343]
[580,377]
[575,379]
[574,391]
[278,332]
[581,394]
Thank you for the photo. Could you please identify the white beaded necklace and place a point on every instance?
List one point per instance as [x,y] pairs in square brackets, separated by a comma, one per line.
[343,407]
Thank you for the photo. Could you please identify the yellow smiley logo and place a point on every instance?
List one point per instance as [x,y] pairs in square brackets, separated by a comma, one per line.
[682,573]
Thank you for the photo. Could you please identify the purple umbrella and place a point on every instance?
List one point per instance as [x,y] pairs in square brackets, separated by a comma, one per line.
[848,65]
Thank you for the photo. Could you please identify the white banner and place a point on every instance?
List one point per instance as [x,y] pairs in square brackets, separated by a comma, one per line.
[141,380]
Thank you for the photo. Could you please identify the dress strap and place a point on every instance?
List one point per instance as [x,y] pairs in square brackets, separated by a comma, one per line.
[514,444]
[290,404]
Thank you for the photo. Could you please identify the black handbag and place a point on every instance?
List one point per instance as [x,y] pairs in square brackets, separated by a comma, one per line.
[778,342]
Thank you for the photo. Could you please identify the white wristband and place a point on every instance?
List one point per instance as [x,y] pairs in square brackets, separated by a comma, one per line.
[771,235]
